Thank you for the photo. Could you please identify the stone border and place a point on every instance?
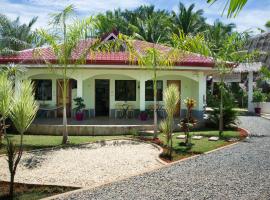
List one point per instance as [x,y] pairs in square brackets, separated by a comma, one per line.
[152,170]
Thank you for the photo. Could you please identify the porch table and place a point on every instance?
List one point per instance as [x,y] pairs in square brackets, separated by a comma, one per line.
[48,109]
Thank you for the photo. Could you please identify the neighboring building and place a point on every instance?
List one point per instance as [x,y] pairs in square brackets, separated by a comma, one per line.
[109,80]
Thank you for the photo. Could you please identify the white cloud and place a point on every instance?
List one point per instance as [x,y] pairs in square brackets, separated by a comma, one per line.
[42,8]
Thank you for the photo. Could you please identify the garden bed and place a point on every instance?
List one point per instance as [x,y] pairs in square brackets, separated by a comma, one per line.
[32,192]
[180,151]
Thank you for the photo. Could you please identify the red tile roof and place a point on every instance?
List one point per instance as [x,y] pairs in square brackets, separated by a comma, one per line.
[39,55]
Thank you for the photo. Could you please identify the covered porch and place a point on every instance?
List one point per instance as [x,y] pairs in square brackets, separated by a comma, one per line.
[107,95]
[105,92]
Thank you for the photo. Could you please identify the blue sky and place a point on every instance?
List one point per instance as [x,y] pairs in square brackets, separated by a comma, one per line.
[253,16]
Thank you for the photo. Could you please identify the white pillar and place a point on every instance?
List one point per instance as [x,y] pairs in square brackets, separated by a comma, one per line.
[79,88]
[202,91]
[250,92]
[142,95]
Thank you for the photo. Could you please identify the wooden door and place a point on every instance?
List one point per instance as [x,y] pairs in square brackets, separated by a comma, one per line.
[59,99]
[177,83]
[102,97]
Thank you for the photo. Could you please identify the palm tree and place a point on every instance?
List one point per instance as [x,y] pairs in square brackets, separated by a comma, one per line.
[151,58]
[231,51]
[146,23]
[111,20]
[15,36]
[188,20]
[64,41]
[217,33]
[233,7]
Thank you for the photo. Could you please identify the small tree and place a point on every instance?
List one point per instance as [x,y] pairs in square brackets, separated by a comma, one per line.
[188,122]
[171,98]
[6,94]
[23,111]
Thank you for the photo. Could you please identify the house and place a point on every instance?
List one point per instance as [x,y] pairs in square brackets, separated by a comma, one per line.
[109,80]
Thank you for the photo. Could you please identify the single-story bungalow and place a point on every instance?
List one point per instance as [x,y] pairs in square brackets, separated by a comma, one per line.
[110,80]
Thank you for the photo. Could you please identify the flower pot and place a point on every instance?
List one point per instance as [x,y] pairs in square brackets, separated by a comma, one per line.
[79,116]
[143,116]
[258,110]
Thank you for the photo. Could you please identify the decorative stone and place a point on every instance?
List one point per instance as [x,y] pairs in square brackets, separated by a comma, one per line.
[197,137]
[233,140]
[213,138]
[181,137]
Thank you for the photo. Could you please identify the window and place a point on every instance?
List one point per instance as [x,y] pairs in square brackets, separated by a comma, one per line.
[125,90]
[149,90]
[43,89]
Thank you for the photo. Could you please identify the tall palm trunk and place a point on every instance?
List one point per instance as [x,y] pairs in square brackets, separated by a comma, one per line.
[155,105]
[221,110]
[64,96]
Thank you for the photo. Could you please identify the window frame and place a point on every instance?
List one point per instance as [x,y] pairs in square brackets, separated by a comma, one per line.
[49,97]
[152,99]
[125,98]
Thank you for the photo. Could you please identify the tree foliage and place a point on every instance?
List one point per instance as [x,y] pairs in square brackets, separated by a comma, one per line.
[15,36]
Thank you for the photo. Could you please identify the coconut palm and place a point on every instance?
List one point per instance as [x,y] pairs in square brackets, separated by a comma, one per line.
[22,114]
[64,40]
[110,21]
[15,36]
[188,20]
[233,7]
[147,23]
[217,33]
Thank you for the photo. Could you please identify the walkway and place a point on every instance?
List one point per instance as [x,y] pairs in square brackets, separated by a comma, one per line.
[238,172]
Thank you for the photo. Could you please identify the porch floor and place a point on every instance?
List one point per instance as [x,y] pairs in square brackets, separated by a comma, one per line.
[94,121]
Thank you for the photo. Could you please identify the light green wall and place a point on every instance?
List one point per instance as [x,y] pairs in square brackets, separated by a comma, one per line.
[189,87]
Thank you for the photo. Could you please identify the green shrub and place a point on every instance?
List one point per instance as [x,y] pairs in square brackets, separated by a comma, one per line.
[229,114]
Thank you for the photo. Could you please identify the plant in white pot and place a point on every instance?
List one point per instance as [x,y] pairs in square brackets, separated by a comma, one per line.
[79,108]
[258,97]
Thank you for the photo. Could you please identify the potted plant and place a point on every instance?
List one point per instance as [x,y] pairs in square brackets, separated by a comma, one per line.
[143,115]
[258,97]
[79,108]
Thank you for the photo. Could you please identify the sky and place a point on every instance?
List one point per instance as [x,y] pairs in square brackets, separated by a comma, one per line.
[253,16]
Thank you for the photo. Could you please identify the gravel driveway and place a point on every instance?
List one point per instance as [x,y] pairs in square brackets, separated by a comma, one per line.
[241,171]
[86,165]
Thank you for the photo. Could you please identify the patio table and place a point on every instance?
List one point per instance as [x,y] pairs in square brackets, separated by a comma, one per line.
[50,109]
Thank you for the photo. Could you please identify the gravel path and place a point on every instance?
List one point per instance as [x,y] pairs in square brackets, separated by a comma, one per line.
[241,171]
[87,165]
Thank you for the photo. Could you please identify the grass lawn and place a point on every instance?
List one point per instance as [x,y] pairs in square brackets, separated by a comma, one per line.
[32,142]
[32,192]
[198,146]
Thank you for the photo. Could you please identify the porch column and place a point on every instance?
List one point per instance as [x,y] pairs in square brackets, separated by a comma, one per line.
[250,92]
[142,95]
[79,88]
[202,91]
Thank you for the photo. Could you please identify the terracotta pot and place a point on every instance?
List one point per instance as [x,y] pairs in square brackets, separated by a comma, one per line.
[143,116]
[258,111]
[79,116]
